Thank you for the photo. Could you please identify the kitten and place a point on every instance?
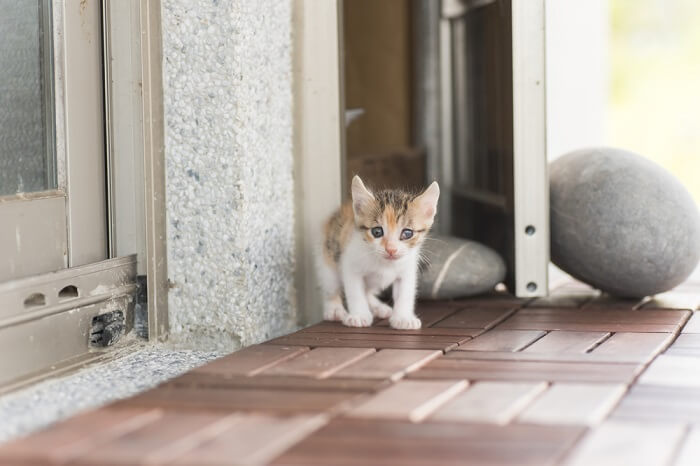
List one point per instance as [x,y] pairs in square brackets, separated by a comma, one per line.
[371,244]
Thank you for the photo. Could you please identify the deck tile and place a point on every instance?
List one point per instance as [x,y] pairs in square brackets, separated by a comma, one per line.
[690,449]
[475,318]
[379,329]
[389,364]
[320,362]
[596,320]
[693,325]
[674,371]
[364,340]
[251,360]
[502,340]
[409,400]
[561,341]
[687,344]
[489,402]
[253,439]
[649,403]
[571,404]
[383,443]
[526,371]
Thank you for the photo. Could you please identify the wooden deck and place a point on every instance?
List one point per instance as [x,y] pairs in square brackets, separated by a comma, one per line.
[573,379]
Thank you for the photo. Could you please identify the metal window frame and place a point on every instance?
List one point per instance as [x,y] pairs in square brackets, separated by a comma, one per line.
[53,333]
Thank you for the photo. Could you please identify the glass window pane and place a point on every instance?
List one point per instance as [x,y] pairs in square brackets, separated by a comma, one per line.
[27,160]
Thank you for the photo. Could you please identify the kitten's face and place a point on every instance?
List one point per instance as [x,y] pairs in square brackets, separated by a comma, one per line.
[393,222]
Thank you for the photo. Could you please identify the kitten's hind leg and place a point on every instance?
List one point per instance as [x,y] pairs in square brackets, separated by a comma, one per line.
[380,309]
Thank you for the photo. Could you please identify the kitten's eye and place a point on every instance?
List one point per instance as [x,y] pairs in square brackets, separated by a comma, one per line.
[406,233]
[377,232]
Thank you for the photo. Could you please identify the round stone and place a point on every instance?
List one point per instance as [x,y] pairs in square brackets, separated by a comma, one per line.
[455,268]
[621,223]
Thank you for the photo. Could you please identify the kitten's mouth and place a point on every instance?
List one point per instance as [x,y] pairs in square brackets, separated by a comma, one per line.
[391,258]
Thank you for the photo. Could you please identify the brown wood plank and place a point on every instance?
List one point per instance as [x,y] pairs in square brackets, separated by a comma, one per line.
[551,357]
[342,384]
[320,362]
[502,340]
[574,404]
[161,441]
[650,403]
[380,329]
[388,443]
[489,402]
[561,341]
[430,312]
[444,343]
[565,299]
[475,318]
[596,320]
[77,436]
[621,443]
[251,360]
[408,400]
[526,371]
[253,439]
[264,400]
[389,364]
[625,346]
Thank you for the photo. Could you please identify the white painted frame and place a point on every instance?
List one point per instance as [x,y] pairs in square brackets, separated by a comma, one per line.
[319,129]
[530,174]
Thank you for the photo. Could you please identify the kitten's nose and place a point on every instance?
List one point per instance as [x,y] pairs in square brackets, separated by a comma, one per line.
[391,250]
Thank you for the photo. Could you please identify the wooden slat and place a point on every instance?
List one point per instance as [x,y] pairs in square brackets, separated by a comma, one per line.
[214,381]
[564,403]
[389,364]
[380,329]
[617,443]
[158,442]
[551,357]
[409,400]
[625,346]
[320,362]
[475,318]
[354,340]
[501,340]
[693,325]
[254,439]
[565,299]
[526,371]
[429,312]
[279,401]
[566,342]
[387,443]
[251,360]
[674,371]
[489,402]
[649,403]
[596,320]
[77,436]
[674,300]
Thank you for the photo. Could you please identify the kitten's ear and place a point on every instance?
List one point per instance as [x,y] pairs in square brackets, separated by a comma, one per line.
[361,196]
[426,203]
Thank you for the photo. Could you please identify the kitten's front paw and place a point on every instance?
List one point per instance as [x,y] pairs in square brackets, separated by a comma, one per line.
[352,320]
[380,310]
[334,312]
[405,323]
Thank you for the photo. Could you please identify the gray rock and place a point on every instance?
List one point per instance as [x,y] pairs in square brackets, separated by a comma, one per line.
[456,268]
[621,223]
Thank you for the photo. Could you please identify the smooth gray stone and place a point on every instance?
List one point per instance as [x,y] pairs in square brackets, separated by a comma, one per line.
[621,223]
[462,267]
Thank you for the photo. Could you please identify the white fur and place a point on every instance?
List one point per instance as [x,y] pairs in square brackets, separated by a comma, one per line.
[363,272]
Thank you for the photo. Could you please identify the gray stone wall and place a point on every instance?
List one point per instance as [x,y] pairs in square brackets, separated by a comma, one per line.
[228,111]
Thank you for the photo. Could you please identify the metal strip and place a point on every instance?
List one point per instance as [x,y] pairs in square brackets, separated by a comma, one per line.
[530,180]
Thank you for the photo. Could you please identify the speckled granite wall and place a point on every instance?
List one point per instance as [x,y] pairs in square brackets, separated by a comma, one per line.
[228,112]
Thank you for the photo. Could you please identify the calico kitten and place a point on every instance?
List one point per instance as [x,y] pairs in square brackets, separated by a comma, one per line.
[370,244]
